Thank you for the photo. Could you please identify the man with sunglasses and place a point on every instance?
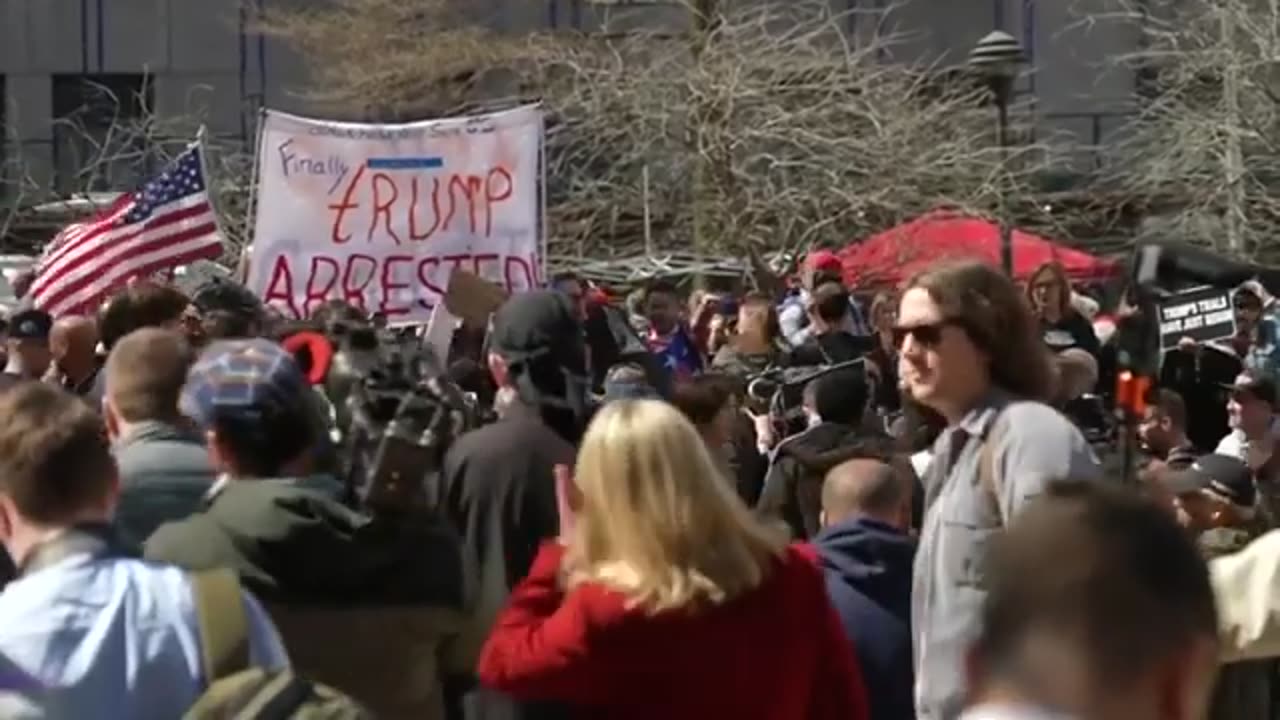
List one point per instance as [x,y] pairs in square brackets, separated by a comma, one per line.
[970,350]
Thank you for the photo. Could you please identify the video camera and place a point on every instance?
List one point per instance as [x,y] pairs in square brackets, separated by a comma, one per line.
[780,390]
[402,414]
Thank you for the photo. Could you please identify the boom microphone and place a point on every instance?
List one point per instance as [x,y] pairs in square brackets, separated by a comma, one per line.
[1169,266]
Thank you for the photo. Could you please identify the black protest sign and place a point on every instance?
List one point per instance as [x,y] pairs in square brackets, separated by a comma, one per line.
[1202,315]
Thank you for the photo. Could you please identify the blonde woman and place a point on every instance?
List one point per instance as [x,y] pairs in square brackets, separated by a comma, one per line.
[665,597]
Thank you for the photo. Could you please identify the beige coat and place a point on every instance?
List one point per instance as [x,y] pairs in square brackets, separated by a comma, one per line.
[1246,586]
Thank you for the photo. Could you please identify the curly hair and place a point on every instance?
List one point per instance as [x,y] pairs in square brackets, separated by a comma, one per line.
[998,319]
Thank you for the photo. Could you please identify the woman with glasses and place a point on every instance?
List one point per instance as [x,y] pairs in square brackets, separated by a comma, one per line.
[664,597]
[970,350]
[1061,324]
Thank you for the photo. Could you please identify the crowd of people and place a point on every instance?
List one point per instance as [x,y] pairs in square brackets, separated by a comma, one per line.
[739,505]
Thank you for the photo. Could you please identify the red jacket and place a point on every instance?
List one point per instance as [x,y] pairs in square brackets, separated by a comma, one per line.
[775,653]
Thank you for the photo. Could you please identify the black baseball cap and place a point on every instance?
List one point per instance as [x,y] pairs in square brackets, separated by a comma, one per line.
[540,328]
[1222,475]
[1258,386]
[30,324]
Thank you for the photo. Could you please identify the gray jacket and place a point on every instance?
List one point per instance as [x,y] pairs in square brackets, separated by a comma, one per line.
[164,475]
[1034,445]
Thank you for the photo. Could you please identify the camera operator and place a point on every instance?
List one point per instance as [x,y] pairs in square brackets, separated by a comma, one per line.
[352,595]
[834,404]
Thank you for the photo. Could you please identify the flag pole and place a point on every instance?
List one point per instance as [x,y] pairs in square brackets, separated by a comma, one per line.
[251,204]
[202,153]
[542,161]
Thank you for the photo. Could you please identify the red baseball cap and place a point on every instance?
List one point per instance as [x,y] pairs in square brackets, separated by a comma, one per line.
[319,352]
[824,260]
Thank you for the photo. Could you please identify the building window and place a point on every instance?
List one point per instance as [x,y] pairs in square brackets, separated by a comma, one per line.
[99,131]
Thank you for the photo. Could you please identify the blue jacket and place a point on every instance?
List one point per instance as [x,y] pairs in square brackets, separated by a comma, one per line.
[867,567]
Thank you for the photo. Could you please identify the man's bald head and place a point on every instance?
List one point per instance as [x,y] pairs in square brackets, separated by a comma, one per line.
[865,487]
[74,329]
[73,341]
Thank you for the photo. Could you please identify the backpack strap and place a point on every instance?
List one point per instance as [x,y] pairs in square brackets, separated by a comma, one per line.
[988,469]
[223,624]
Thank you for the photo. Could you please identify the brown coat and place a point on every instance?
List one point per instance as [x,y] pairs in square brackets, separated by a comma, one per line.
[388,658]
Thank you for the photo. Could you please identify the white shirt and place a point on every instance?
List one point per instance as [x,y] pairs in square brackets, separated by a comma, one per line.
[1236,445]
[1010,712]
[111,637]
[920,462]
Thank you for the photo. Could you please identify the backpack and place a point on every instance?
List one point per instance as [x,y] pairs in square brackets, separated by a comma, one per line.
[237,691]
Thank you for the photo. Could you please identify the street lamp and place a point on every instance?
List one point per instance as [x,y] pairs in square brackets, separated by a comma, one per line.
[997,58]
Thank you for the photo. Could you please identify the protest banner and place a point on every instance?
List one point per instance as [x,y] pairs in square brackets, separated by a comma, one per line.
[1202,314]
[382,215]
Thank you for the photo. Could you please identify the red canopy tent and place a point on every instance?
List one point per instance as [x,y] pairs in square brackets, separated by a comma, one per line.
[893,256]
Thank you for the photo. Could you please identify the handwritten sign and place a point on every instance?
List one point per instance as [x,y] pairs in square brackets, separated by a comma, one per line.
[1204,315]
[473,299]
[382,215]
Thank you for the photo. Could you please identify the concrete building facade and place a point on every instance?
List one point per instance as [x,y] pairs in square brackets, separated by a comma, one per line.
[62,61]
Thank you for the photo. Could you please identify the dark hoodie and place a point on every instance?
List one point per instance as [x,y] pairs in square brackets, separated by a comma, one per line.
[867,568]
[793,486]
[351,595]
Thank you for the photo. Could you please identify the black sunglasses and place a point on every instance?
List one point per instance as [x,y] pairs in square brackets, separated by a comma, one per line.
[926,334]
[1246,305]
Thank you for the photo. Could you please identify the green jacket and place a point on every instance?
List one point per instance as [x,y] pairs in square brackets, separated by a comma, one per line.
[350,594]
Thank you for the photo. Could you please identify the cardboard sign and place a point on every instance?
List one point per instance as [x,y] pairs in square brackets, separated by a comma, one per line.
[473,299]
[382,216]
[439,333]
[1203,314]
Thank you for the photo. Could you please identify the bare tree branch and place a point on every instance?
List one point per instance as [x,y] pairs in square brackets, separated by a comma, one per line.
[120,142]
[775,130]
[1202,151]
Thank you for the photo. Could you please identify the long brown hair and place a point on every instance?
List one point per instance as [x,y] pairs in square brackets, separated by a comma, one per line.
[998,319]
[1059,276]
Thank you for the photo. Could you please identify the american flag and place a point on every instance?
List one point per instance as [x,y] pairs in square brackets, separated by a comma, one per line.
[167,222]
